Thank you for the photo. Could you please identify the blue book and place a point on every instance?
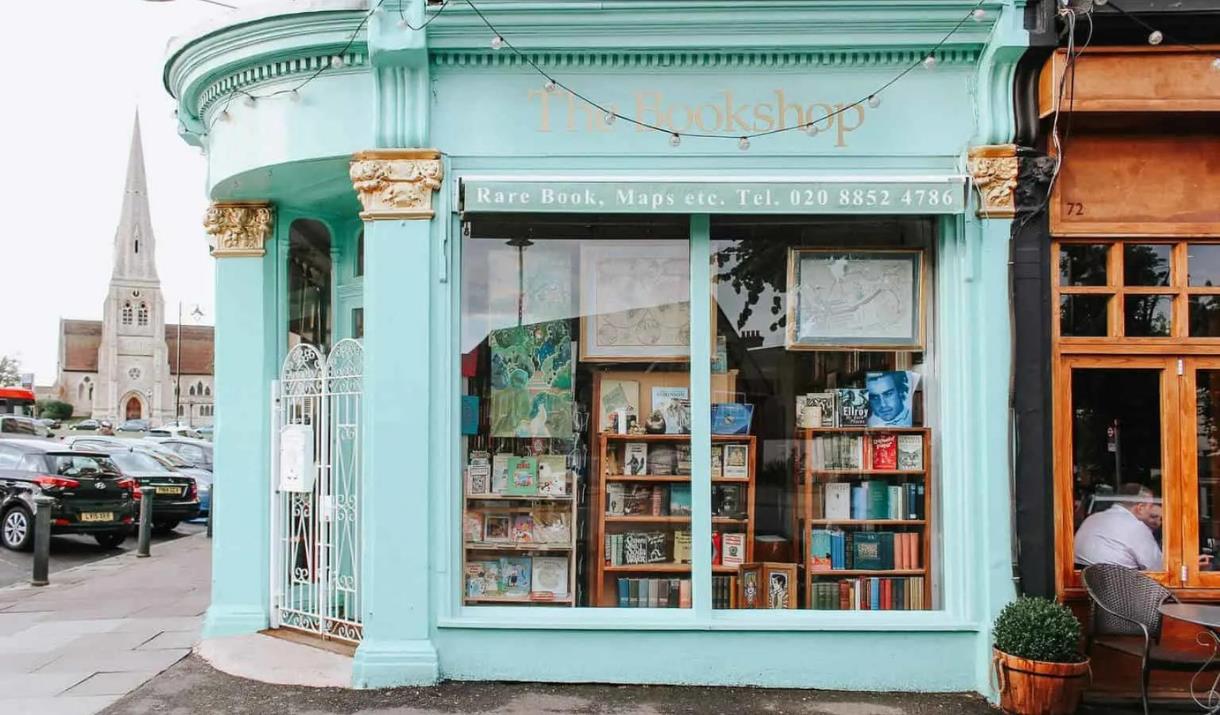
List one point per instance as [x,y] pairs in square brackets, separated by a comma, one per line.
[679,500]
[859,501]
[837,556]
[470,414]
[874,593]
[623,595]
[731,418]
[820,550]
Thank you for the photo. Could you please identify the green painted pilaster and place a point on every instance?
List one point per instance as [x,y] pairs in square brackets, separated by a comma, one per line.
[245,365]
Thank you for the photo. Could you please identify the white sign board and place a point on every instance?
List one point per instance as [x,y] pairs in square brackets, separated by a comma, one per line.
[296,458]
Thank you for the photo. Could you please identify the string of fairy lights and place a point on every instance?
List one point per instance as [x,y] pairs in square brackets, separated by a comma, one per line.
[551,83]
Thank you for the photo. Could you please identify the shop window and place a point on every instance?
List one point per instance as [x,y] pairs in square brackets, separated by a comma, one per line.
[309,283]
[360,254]
[822,472]
[575,349]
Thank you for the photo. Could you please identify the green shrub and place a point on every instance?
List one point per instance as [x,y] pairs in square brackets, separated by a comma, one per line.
[1038,629]
[54,409]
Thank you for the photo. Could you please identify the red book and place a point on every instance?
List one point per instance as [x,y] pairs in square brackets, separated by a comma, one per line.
[716,549]
[887,594]
[844,596]
[470,364]
[884,451]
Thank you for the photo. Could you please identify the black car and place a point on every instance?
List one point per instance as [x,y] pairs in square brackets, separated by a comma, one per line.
[176,495]
[91,496]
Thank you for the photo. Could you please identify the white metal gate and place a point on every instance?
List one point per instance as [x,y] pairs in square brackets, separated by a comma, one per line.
[315,573]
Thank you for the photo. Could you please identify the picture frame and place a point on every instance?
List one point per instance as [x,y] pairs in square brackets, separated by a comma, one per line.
[750,592]
[862,299]
[775,595]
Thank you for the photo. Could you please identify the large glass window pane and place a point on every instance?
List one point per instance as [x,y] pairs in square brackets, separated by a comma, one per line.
[1083,315]
[1116,467]
[575,341]
[1148,316]
[1203,264]
[1207,430]
[309,280]
[1082,264]
[1146,264]
[821,461]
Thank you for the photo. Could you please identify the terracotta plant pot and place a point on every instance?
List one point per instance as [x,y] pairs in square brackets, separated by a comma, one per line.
[1034,687]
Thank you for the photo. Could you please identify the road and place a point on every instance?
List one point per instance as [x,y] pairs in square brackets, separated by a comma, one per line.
[69,551]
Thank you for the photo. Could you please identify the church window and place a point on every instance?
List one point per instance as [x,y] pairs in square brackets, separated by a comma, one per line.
[143,314]
[192,390]
[207,391]
[80,391]
[127,313]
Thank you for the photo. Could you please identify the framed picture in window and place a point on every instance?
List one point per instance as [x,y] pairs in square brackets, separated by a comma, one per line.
[779,585]
[855,299]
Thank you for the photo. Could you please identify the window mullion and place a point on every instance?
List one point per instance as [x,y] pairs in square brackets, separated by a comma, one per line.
[701,423]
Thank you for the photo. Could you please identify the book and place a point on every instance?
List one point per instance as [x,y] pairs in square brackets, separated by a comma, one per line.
[727,501]
[736,460]
[552,527]
[717,549]
[515,574]
[682,465]
[522,476]
[638,501]
[838,501]
[884,451]
[660,501]
[859,502]
[623,592]
[851,407]
[731,418]
[550,575]
[910,451]
[817,501]
[617,395]
[682,547]
[633,593]
[482,578]
[553,475]
[497,528]
[662,460]
[523,528]
[878,499]
[684,593]
[679,500]
[717,460]
[673,404]
[644,547]
[825,402]
[635,460]
[616,498]
[808,413]
[478,473]
[499,473]
[866,551]
[473,526]
[734,549]
[891,397]
[655,542]
[470,414]
[720,360]
[820,549]
[895,502]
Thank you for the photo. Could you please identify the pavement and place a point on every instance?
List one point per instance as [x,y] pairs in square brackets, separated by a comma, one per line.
[101,629]
[70,551]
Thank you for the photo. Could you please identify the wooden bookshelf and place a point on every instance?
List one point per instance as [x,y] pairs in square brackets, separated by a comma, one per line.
[812,475]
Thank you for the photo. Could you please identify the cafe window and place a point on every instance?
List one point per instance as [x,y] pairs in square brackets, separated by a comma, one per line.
[578,459]
[1137,397]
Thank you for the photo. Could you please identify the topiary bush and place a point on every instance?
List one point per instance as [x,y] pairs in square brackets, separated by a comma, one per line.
[1038,629]
[54,409]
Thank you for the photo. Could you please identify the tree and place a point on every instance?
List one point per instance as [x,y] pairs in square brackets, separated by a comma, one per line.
[54,409]
[10,371]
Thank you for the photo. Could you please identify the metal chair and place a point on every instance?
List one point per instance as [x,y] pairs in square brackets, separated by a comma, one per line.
[1125,602]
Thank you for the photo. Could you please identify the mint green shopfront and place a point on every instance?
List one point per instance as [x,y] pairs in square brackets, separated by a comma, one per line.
[426,195]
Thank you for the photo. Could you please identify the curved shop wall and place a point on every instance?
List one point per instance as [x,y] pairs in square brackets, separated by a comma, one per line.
[284,138]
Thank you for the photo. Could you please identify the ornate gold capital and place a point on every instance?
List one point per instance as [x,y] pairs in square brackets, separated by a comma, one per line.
[994,169]
[240,229]
[396,183]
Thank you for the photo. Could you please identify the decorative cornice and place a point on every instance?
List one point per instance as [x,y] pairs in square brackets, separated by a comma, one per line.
[252,76]
[679,59]
[994,172]
[396,183]
[241,229]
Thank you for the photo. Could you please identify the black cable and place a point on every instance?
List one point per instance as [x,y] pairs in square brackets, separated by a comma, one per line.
[1140,21]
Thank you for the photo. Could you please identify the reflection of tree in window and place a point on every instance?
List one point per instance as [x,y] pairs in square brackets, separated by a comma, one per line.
[1146,264]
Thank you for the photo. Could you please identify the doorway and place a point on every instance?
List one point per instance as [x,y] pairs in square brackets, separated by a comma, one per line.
[133,410]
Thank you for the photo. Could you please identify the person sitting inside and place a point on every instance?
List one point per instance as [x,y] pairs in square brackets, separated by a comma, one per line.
[1123,534]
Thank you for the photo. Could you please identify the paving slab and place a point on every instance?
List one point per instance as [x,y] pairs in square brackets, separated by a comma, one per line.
[110,683]
[58,705]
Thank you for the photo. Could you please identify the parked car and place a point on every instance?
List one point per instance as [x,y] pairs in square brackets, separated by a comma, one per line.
[50,423]
[206,432]
[95,442]
[91,495]
[133,426]
[16,426]
[171,431]
[202,477]
[196,451]
[89,424]
[176,497]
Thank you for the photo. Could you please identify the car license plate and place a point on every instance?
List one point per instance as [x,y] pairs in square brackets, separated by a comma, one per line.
[175,491]
[97,516]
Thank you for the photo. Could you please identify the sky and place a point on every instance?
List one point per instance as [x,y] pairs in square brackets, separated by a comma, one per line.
[77,71]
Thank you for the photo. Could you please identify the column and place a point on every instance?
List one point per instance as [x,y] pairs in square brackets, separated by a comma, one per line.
[244,367]
[395,187]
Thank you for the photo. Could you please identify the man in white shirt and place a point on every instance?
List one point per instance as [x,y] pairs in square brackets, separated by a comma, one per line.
[1123,534]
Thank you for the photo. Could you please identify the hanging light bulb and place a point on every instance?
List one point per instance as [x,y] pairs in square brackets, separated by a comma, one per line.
[610,117]
[248,100]
[874,101]
[978,14]
[743,143]
[675,139]
[1100,2]
[497,42]
[336,62]
[224,115]
[294,95]
[402,23]
[550,85]
[175,114]
[811,129]
[1155,37]
[929,62]
[1216,64]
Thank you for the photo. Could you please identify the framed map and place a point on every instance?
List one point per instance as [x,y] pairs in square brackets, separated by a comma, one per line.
[635,302]
[859,299]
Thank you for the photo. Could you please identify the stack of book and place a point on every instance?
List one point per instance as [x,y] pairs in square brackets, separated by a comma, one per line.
[870,593]
[873,499]
[877,451]
[724,591]
[654,593]
[647,499]
[522,577]
[633,548]
[835,550]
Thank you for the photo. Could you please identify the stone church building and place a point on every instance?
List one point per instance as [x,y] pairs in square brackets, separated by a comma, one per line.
[126,365]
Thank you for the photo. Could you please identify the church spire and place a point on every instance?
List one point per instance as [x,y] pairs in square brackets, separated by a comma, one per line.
[134,245]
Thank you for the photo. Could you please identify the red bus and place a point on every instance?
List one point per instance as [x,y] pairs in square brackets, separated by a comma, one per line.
[16,401]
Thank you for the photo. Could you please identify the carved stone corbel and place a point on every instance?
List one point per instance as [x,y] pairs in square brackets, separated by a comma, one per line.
[994,170]
[240,228]
[396,183]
